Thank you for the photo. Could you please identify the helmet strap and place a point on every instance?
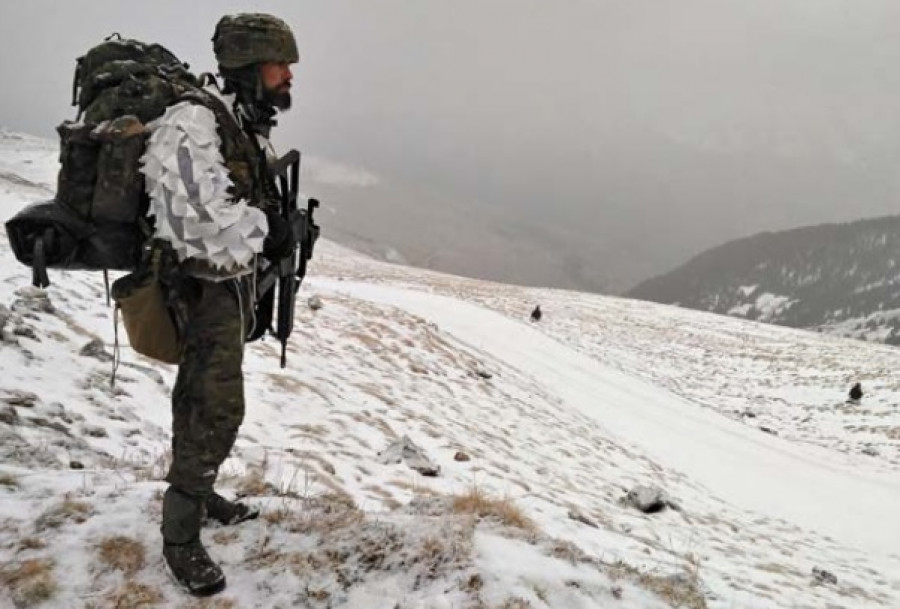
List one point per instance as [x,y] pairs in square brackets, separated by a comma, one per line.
[250,100]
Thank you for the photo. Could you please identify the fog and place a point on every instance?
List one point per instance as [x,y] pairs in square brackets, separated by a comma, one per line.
[615,137]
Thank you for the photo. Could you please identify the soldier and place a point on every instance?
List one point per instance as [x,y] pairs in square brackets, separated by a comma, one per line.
[215,210]
[536,313]
[856,393]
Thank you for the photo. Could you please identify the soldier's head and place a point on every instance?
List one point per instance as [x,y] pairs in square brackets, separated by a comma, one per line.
[255,52]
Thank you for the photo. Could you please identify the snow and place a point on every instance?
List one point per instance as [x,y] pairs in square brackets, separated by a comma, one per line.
[814,487]
[769,305]
[602,395]
[740,310]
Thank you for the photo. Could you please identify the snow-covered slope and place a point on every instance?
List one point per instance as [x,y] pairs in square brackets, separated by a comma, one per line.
[557,420]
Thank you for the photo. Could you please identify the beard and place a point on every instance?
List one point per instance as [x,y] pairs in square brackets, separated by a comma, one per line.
[280,99]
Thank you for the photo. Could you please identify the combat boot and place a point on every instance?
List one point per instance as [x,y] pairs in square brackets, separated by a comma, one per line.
[229,512]
[193,568]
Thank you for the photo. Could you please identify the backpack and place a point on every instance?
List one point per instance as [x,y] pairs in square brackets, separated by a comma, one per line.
[97,220]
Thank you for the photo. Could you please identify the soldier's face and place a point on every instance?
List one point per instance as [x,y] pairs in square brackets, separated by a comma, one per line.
[276,79]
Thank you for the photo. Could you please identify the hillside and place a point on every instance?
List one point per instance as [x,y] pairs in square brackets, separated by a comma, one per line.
[536,433]
[843,279]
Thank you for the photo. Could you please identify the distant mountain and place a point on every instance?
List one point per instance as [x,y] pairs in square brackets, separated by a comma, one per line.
[837,278]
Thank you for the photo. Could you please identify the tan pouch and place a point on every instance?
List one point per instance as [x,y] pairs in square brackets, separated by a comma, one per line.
[148,321]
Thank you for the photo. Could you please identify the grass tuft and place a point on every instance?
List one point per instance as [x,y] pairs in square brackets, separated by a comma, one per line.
[30,582]
[477,502]
[67,510]
[122,553]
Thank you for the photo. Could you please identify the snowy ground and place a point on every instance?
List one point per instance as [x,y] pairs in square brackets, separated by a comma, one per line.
[558,419]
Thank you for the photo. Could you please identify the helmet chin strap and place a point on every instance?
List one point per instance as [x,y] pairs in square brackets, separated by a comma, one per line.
[251,104]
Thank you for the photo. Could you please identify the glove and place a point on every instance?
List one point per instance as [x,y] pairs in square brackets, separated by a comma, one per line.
[279,243]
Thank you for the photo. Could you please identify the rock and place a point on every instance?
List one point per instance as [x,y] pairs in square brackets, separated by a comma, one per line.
[616,591]
[8,415]
[822,577]
[649,499]
[461,456]
[4,316]
[76,465]
[32,299]
[58,411]
[94,431]
[871,451]
[768,430]
[54,425]
[25,332]
[96,349]
[580,517]
[403,450]
[314,302]
[481,372]
[749,414]
[22,399]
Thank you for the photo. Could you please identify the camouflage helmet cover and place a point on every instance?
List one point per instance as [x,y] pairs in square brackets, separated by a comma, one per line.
[248,38]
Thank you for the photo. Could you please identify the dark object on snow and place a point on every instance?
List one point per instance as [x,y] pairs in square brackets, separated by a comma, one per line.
[536,314]
[482,373]
[822,577]
[580,517]
[8,414]
[97,350]
[314,302]
[768,430]
[76,465]
[649,499]
[461,456]
[403,450]
[856,392]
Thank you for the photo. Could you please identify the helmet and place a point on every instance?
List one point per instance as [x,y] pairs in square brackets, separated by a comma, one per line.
[248,38]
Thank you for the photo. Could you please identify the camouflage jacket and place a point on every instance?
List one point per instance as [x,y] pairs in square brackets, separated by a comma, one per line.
[207,186]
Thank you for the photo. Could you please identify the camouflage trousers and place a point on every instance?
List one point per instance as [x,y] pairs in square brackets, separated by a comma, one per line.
[207,400]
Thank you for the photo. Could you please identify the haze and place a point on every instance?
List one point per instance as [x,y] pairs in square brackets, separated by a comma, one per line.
[585,144]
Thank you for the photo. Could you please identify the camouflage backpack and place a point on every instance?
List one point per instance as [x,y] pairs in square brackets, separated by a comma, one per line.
[97,219]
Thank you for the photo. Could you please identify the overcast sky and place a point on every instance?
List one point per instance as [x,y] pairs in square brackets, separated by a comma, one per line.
[679,122]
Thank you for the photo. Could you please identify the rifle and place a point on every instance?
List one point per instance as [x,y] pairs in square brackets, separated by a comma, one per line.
[288,272]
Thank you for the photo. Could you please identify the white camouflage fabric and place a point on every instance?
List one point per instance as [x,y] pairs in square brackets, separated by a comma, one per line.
[187,182]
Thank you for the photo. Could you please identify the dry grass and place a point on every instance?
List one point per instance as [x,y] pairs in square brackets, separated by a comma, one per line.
[153,470]
[476,502]
[568,551]
[680,590]
[447,553]
[515,603]
[32,543]
[30,582]
[122,553]
[68,510]
[225,537]
[254,484]
[211,603]
[134,595]
[324,515]
[8,480]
